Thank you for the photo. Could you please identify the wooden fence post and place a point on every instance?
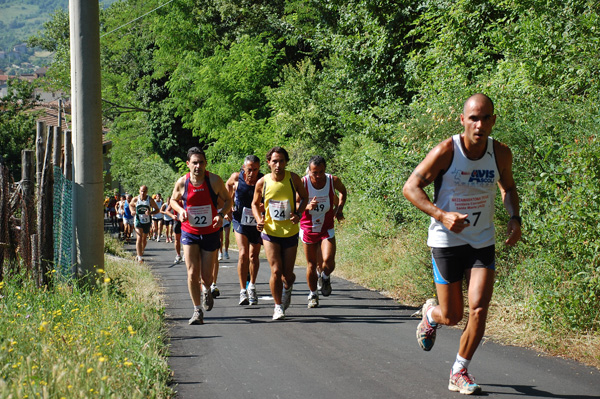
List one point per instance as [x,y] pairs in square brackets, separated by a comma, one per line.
[57,147]
[40,145]
[46,215]
[4,217]
[68,156]
[27,208]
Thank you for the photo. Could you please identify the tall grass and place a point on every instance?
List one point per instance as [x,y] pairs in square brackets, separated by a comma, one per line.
[70,342]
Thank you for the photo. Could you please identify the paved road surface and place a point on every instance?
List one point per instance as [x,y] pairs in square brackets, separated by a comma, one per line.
[357,344]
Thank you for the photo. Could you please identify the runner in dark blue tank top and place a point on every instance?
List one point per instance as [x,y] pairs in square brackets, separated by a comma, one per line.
[241,188]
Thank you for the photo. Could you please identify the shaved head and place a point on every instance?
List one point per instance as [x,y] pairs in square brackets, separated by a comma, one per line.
[479,97]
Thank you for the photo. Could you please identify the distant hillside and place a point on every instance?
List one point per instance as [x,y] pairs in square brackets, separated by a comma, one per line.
[20,19]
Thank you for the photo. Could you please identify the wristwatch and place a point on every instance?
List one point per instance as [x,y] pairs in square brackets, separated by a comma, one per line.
[221,214]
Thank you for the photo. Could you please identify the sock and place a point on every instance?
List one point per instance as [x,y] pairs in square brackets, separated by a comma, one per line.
[459,364]
[213,285]
[251,286]
[325,277]
[279,307]
[242,291]
[313,293]
[432,323]
[197,308]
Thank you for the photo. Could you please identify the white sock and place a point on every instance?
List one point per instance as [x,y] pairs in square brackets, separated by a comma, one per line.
[243,291]
[459,364]
[313,293]
[325,277]
[213,285]
[280,307]
[251,286]
[432,322]
[197,308]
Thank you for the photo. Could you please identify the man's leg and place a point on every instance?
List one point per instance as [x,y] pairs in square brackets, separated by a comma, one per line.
[139,242]
[289,260]
[194,266]
[243,258]
[254,262]
[310,252]
[328,249]
[480,288]
[273,252]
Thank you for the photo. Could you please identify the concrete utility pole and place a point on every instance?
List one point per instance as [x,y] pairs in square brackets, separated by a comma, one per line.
[86,100]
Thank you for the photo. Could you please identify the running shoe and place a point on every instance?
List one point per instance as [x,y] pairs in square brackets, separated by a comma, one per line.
[220,257]
[197,318]
[157,239]
[177,259]
[463,382]
[207,300]
[244,298]
[425,332]
[278,314]
[319,282]
[286,297]
[252,297]
[326,288]
[313,301]
[139,259]
[226,255]
[214,290]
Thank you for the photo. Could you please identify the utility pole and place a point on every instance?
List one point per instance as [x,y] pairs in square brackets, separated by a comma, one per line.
[86,102]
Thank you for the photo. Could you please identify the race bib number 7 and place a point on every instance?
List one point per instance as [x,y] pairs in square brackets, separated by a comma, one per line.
[200,216]
[280,210]
[477,207]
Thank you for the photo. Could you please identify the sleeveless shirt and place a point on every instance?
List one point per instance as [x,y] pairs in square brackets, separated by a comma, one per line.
[244,194]
[280,203]
[320,219]
[467,187]
[201,205]
[141,207]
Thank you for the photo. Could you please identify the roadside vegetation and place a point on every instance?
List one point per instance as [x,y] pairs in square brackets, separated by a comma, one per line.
[71,342]
[373,86]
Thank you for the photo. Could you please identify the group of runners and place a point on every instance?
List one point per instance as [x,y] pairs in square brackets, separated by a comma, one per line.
[278,209]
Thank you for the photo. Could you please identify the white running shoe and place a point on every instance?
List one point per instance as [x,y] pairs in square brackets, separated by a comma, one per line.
[286,297]
[197,318]
[220,256]
[313,301]
[244,298]
[207,300]
[157,239]
[278,314]
[252,297]
[177,259]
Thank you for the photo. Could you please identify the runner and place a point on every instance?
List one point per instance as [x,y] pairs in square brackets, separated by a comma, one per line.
[279,224]
[167,221]
[316,226]
[157,220]
[176,231]
[199,190]
[142,208]
[112,210]
[127,218]
[241,188]
[465,169]
[225,238]
[120,208]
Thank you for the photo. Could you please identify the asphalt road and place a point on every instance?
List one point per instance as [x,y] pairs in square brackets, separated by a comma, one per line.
[357,344]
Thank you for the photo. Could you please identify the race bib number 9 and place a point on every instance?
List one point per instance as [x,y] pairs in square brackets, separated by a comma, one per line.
[200,216]
[279,210]
[477,207]
[248,217]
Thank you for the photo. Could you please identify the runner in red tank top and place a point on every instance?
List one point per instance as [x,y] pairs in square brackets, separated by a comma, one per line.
[201,221]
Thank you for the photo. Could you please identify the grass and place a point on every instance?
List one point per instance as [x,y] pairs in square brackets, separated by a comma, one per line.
[69,342]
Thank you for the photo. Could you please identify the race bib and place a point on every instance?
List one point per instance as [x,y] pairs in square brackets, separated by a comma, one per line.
[280,210]
[200,216]
[144,219]
[477,207]
[322,206]
[248,217]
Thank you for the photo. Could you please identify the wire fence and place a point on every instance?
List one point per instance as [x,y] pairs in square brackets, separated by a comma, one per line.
[63,224]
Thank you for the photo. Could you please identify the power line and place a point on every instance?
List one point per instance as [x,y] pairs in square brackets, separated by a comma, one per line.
[142,16]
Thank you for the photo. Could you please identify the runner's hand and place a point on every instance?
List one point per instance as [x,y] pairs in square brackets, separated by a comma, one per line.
[513,231]
[312,204]
[455,222]
[260,224]
[183,216]
[217,222]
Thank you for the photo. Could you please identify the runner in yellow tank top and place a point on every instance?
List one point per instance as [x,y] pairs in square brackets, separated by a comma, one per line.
[278,192]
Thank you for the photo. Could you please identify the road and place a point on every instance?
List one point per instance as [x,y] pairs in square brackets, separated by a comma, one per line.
[357,344]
